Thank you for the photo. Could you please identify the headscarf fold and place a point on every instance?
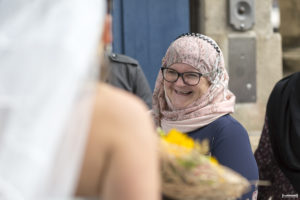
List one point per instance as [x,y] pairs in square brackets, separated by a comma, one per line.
[283,113]
[202,53]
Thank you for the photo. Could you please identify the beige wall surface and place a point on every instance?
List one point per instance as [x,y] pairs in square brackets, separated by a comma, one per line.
[290,32]
[214,23]
[290,22]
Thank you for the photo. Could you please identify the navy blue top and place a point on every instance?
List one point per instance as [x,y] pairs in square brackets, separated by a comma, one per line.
[229,143]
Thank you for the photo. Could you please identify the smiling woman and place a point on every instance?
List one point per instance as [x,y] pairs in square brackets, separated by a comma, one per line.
[191,95]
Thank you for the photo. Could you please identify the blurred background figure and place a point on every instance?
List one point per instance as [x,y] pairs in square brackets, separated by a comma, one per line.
[126,73]
[62,133]
[278,153]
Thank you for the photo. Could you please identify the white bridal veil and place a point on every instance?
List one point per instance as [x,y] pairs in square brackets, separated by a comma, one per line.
[48,66]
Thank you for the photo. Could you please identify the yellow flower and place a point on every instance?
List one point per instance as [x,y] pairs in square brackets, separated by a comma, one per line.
[177,144]
[183,147]
[213,160]
[180,139]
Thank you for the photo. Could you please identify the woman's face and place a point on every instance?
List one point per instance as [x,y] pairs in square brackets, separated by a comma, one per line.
[182,95]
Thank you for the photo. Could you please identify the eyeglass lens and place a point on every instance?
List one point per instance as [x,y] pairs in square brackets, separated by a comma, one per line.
[189,78]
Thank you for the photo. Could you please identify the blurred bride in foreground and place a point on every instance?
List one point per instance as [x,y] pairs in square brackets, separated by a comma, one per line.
[61,133]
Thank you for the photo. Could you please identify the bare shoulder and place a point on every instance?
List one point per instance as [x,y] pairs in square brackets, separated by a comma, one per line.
[115,95]
[123,133]
[123,114]
[118,104]
[119,121]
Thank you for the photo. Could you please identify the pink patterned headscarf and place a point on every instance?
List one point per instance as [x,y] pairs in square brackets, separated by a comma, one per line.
[203,54]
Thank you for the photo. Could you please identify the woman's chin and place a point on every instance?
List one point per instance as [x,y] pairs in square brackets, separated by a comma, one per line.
[179,106]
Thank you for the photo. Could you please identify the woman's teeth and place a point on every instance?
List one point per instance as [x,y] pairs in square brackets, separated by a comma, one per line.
[183,92]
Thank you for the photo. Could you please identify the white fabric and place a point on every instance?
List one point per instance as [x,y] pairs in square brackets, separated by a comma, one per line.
[47,72]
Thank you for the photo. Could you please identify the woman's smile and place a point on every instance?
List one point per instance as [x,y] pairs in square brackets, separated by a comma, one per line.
[184,93]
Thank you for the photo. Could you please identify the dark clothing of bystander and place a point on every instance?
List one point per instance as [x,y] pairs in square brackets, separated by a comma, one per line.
[126,73]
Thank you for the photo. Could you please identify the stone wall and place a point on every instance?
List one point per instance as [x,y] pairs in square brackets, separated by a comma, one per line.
[290,31]
[214,23]
[290,22]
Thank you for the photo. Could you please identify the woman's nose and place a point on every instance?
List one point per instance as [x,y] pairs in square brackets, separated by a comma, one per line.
[179,81]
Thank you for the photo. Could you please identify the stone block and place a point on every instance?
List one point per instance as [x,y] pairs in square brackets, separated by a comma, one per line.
[269,71]
[214,23]
[263,25]
[214,17]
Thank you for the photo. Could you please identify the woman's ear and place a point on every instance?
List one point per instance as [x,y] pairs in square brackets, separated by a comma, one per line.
[107,32]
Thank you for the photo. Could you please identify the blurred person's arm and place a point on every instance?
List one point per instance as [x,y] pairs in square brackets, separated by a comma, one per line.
[142,87]
[121,160]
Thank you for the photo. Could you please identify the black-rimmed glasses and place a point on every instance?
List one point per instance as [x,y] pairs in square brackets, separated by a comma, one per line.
[189,78]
